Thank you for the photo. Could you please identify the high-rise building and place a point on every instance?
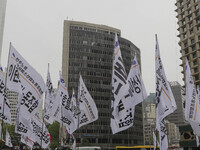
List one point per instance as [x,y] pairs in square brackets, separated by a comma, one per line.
[13,98]
[178,116]
[2,18]
[88,50]
[188,14]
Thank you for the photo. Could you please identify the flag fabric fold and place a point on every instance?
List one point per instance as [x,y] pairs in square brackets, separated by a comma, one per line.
[165,102]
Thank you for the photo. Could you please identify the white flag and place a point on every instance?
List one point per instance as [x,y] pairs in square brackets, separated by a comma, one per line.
[165,102]
[87,106]
[195,125]
[32,84]
[74,143]
[119,89]
[163,136]
[13,77]
[27,140]
[42,135]
[137,92]
[4,102]
[49,99]
[155,141]
[73,102]
[8,139]
[192,107]
[23,126]
[197,140]
[61,110]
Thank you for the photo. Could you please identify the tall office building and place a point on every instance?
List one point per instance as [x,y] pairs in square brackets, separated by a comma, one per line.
[88,49]
[188,14]
[178,116]
[2,18]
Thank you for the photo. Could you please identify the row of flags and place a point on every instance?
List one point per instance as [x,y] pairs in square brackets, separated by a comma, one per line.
[30,86]
[127,92]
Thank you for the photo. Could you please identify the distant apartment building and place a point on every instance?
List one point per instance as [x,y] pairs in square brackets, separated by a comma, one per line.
[2,21]
[178,116]
[88,50]
[149,115]
[13,98]
[188,14]
[173,134]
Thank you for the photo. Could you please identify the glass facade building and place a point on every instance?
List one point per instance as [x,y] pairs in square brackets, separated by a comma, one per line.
[88,50]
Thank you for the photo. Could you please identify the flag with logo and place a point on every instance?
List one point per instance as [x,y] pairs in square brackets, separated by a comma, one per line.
[49,99]
[87,106]
[40,132]
[8,139]
[32,83]
[165,102]
[5,114]
[119,88]
[192,107]
[13,77]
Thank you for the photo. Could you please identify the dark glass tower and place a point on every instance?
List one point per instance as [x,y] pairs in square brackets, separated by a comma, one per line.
[88,49]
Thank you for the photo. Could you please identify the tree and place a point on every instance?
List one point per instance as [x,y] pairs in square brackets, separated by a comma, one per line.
[54,132]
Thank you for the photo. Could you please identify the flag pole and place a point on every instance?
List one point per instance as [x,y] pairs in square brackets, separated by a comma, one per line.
[43,110]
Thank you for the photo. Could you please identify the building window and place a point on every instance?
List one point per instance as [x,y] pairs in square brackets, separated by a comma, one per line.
[184,29]
[191,31]
[186,51]
[194,55]
[190,18]
[185,44]
[183,22]
[197,14]
[184,35]
[182,9]
[196,77]
[193,48]
[190,25]
[195,1]
[197,20]
[195,70]
[189,11]
[196,7]
[188,5]
[192,41]
[195,62]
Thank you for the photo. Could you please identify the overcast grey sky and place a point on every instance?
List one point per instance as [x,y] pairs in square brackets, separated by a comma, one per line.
[35,28]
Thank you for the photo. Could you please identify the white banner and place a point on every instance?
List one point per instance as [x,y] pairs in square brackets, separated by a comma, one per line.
[13,78]
[137,92]
[49,99]
[163,136]
[27,141]
[197,140]
[32,83]
[42,135]
[87,106]
[8,139]
[119,121]
[23,126]
[192,107]
[119,80]
[61,109]
[165,102]
[4,102]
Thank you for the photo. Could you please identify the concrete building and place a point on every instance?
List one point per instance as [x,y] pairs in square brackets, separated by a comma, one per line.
[178,116]
[13,98]
[188,14]
[149,114]
[88,49]
[173,134]
[2,20]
